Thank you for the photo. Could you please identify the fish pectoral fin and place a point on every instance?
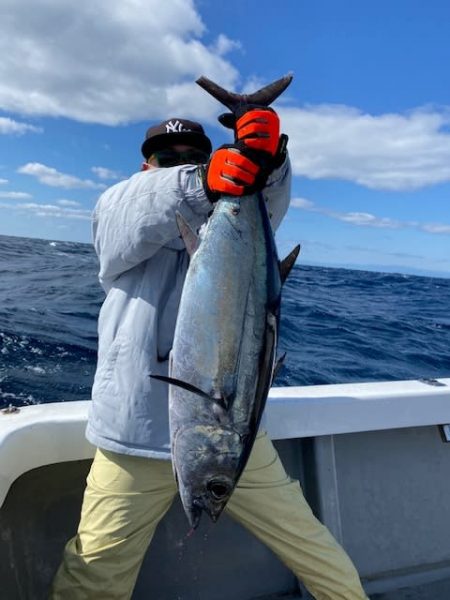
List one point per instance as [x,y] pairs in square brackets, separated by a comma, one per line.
[190,238]
[182,384]
[287,263]
[277,367]
[185,386]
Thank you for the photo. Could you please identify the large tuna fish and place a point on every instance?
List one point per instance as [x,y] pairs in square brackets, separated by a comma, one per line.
[223,357]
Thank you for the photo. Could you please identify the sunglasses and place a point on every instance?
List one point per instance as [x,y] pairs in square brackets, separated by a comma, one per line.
[172,158]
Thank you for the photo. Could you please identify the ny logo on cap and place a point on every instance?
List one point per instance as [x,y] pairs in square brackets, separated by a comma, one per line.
[174,126]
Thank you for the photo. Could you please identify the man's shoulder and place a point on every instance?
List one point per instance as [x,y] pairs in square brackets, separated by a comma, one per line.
[125,187]
[153,178]
[180,179]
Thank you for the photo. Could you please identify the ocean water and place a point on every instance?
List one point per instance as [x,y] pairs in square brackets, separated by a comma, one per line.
[337,325]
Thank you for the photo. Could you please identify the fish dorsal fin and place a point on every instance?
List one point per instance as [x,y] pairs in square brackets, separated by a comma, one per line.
[277,367]
[190,238]
[192,388]
[287,263]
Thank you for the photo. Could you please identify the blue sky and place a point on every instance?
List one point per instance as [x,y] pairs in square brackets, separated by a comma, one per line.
[368,112]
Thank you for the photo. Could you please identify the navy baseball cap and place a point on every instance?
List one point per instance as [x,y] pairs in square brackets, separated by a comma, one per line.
[175,131]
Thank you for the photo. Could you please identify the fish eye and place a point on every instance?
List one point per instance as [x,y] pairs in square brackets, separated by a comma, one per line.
[218,489]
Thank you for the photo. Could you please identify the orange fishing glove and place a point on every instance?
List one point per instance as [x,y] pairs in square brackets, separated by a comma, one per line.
[234,170]
[258,128]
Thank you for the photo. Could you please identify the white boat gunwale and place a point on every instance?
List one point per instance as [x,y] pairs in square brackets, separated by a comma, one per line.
[45,434]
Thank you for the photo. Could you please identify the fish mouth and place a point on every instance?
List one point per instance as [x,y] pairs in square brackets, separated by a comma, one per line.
[194,513]
[214,510]
[218,492]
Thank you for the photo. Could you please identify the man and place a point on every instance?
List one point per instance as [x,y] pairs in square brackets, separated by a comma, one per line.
[143,263]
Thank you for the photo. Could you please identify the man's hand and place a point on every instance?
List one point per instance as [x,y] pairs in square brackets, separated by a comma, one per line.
[258,128]
[234,170]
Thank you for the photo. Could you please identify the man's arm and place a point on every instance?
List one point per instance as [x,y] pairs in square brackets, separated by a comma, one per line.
[135,219]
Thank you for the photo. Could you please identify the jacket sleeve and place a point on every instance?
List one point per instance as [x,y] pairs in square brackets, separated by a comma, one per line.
[135,218]
[278,193]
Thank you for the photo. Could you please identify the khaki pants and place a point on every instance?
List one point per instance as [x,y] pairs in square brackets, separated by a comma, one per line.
[126,497]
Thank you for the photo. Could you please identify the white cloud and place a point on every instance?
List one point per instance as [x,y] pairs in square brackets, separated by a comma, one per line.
[108,62]
[366,219]
[363,219]
[104,173]
[52,177]
[15,195]
[9,126]
[388,151]
[302,203]
[436,228]
[51,210]
[2,181]
[64,202]
[223,45]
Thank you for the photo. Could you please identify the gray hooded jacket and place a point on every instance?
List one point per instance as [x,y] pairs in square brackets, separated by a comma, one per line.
[143,264]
